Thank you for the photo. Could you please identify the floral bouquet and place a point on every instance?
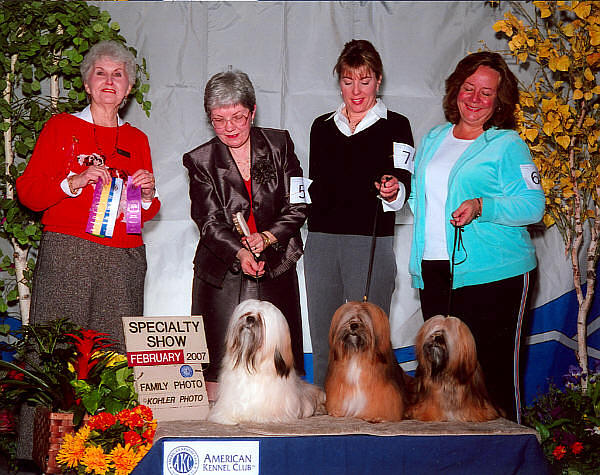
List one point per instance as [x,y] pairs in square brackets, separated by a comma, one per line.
[568,422]
[66,368]
[109,444]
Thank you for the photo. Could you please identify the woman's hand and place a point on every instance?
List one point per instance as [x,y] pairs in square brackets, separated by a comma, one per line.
[388,187]
[90,175]
[249,265]
[145,180]
[254,242]
[467,212]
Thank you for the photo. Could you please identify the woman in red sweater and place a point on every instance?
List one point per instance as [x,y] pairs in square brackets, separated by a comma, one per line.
[91,266]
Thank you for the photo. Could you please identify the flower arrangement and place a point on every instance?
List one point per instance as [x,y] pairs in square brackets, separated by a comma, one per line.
[109,444]
[65,368]
[568,422]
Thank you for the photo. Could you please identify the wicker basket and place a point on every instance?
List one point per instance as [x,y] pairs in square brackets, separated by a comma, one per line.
[49,428]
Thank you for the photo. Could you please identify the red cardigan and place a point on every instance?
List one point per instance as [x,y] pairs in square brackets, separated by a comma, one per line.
[61,145]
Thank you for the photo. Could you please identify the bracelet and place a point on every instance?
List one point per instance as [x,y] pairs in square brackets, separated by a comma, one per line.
[70,183]
[478,214]
[266,240]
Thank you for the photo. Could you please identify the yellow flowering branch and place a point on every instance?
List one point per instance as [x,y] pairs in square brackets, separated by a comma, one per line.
[559,118]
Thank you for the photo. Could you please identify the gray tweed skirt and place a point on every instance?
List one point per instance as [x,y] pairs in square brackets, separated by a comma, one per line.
[91,284]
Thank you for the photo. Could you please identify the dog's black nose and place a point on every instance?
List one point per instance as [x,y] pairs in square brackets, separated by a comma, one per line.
[250,319]
[354,326]
[439,339]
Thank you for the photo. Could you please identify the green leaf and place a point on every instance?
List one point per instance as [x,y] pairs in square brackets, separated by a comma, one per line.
[12,296]
[90,401]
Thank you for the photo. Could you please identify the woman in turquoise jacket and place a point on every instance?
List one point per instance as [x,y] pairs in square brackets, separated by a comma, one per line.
[475,189]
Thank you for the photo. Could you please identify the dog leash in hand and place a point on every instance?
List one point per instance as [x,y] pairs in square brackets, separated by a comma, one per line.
[458,244]
[372,253]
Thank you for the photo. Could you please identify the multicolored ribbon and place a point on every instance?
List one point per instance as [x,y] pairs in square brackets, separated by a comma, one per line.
[105,208]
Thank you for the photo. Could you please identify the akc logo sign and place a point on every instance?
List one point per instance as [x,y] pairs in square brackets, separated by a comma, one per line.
[206,457]
[182,460]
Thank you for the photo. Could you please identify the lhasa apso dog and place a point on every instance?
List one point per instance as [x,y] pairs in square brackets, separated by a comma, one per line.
[449,383]
[364,379]
[257,381]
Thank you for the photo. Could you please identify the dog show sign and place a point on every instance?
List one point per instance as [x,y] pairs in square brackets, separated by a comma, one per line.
[166,354]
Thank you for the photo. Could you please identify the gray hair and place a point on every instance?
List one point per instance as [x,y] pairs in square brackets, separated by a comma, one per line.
[115,52]
[228,89]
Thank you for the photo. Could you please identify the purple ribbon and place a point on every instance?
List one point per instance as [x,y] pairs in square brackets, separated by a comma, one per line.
[133,211]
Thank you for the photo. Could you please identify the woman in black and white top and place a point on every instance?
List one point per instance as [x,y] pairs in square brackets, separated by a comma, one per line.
[358,154]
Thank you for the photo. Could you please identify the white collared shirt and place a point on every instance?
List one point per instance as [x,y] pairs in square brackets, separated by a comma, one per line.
[378,111]
[86,114]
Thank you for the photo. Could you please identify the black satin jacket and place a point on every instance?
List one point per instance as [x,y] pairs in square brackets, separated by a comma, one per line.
[217,191]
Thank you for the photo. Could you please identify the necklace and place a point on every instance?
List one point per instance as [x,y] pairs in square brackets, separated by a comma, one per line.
[352,123]
[113,152]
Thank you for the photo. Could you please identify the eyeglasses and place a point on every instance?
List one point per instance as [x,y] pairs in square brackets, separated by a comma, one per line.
[238,120]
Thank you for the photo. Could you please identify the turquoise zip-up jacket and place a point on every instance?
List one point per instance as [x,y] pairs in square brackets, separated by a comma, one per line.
[498,168]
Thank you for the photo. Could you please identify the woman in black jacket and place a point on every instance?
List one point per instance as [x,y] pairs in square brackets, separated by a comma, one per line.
[243,169]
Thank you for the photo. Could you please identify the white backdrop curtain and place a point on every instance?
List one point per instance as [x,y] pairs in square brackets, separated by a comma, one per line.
[289,49]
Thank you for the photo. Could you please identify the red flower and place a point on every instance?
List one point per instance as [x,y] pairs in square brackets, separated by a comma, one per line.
[559,452]
[89,343]
[132,438]
[148,434]
[16,375]
[577,447]
[135,421]
[144,411]
[102,421]
[124,416]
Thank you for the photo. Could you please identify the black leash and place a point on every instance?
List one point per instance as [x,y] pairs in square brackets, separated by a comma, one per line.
[372,254]
[458,244]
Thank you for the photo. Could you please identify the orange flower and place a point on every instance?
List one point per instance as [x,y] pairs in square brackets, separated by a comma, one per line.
[95,460]
[71,451]
[577,447]
[559,452]
[123,459]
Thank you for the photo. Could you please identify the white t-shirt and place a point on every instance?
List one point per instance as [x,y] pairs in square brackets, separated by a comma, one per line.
[436,192]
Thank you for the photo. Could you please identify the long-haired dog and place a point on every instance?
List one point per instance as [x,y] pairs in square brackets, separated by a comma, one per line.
[363,379]
[449,383]
[257,380]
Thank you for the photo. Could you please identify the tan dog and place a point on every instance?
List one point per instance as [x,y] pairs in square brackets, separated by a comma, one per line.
[449,383]
[258,382]
[364,379]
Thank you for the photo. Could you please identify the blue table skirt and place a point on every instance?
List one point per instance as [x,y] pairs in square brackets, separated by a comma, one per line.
[378,455]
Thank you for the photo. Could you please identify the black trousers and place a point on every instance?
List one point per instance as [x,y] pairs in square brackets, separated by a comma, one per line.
[494,312]
[216,304]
